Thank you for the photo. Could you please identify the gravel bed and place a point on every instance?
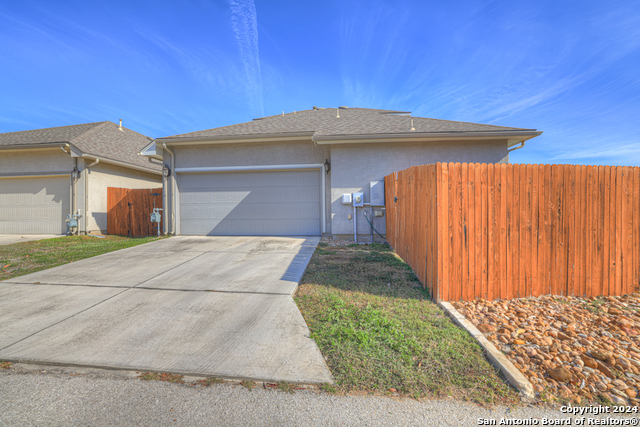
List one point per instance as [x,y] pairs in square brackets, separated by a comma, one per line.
[582,350]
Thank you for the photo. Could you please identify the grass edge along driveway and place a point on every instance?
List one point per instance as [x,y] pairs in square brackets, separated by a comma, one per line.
[22,258]
[381,334]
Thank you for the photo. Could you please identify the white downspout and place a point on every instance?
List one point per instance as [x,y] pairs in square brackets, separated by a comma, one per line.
[86,193]
[172,202]
[516,148]
[71,181]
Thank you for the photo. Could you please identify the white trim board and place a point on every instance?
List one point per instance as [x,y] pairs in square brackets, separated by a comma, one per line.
[253,168]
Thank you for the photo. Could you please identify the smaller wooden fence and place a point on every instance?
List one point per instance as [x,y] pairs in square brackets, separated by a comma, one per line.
[129,211]
[500,231]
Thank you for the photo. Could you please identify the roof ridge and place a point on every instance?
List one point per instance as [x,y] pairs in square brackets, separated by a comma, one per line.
[53,127]
[88,131]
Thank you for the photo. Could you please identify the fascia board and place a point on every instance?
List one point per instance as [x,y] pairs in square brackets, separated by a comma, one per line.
[45,146]
[289,136]
[122,164]
[512,137]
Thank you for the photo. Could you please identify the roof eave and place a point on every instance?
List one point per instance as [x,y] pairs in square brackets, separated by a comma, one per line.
[237,139]
[512,137]
[121,163]
[44,145]
[151,151]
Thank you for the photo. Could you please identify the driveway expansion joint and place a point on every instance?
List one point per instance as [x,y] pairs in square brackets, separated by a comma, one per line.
[247,327]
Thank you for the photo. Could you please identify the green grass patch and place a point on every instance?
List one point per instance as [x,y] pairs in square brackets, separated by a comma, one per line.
[286,387]
[248,384]
[23,258]
[154,376]
[210,381]
[379,330]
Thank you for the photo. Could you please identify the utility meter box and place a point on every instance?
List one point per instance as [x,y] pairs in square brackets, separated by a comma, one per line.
[346,199]
[376,190]
[358,199]
[156,217]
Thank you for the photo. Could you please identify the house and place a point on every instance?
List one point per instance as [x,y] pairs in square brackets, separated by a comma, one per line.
[45,174]
[287,174]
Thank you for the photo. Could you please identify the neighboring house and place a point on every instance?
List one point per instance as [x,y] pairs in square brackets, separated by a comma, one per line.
[269,177]
[47,173]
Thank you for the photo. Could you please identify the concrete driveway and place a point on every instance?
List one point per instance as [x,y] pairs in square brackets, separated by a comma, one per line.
[215,306]
[7,239]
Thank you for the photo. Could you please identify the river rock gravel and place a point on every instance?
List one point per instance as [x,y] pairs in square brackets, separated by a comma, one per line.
[582,350]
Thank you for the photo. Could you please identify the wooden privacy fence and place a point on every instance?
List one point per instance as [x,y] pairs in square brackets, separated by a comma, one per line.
[129,211]
[499,231]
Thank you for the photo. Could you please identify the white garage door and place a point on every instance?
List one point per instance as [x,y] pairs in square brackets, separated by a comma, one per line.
[273,203]
[34,205]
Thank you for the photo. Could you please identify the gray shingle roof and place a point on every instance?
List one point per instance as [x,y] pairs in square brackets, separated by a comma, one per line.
[102,139]
[352,121]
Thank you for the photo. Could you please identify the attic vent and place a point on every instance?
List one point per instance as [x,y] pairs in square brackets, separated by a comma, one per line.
[344,108]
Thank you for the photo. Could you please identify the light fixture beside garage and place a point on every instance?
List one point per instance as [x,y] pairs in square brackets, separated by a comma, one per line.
[327,165]
[75,173]
[166,171]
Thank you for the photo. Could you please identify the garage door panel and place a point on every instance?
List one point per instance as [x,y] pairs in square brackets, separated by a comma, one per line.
[250,203]
[34,205]
[258,195]
[264,227]
[254,211]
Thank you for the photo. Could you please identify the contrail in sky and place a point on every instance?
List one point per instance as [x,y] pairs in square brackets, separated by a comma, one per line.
[245,26]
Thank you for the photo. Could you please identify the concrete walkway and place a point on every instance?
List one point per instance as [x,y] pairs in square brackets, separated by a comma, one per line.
[215,306]
[7,239]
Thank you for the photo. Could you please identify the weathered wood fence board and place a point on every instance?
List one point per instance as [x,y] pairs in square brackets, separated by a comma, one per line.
[499,231]
[129,211]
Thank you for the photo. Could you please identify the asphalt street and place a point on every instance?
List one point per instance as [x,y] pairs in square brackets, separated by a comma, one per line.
[71,397]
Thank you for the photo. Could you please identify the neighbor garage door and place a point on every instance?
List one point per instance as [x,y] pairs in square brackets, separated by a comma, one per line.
[273,203]
[34,205]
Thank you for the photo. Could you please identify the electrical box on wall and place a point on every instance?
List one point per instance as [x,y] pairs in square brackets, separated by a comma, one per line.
[376,190]
[358,199]
[346,199]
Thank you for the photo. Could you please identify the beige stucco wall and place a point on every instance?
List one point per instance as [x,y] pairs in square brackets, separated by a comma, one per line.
[35,160]
[265,153]
[104,175]
[353,166]
[243,154]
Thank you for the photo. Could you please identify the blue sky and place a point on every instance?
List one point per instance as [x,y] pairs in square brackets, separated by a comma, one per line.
[569,68]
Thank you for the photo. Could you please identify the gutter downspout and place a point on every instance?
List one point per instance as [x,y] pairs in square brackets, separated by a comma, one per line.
[72,183]
[164,192]
[86,193]
[516,148]
[173,188]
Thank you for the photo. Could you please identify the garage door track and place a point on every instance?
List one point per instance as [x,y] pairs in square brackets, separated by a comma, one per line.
[211,306]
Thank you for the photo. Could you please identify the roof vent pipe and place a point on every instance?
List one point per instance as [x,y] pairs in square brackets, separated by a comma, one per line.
[412,128]
[120,124]
[338,113]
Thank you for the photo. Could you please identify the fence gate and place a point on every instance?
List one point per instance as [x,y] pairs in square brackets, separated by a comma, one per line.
[129,211]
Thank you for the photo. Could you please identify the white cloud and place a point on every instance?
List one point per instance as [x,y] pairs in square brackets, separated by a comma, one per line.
[245,27]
